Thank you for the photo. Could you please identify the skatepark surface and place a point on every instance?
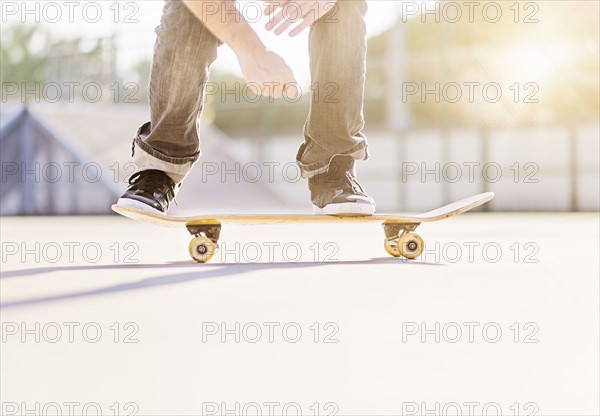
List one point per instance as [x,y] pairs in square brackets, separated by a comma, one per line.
[500,315]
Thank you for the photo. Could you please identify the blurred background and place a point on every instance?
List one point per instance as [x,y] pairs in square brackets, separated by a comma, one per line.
[461,98]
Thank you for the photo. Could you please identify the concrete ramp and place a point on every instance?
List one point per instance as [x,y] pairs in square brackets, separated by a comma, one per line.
[98,154]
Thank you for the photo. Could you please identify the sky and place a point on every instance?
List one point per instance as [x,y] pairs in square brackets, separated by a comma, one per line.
[134,23]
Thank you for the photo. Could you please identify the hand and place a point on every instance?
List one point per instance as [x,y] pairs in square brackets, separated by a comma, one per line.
[301,13]
[267,73]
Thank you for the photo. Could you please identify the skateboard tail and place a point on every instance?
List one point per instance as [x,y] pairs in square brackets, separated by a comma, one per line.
[459,207]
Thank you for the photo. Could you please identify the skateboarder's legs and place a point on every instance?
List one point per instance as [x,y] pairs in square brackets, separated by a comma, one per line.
[338,49]
[166,148]
[183,53]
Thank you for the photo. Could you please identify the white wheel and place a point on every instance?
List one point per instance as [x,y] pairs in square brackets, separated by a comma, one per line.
[410,245]
[202,249]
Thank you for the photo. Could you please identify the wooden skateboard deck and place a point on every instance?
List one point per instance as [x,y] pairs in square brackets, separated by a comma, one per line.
[400,240]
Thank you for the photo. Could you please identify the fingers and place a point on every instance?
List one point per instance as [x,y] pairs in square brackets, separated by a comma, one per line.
[288,88]
[267,89]
[290,14]
[268,74]
[285,87]
[291,90]
[307,22]
[276,18]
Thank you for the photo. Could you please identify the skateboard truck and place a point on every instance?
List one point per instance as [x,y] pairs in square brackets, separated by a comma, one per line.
[210,231]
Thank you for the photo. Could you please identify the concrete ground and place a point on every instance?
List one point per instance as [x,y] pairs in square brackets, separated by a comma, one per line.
[499,316]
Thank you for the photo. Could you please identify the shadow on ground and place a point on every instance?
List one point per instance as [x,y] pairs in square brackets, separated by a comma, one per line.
[199,272]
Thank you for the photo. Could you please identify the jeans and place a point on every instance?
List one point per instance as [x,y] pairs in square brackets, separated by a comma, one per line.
[183,53]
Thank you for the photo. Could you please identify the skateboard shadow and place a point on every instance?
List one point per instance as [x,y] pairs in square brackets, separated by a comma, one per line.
[199,272]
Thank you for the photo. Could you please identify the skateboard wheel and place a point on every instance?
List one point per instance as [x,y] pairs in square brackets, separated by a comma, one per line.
[410,245]
[391,246]
[202,249]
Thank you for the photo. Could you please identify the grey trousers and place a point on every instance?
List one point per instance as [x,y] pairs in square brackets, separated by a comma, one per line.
[183,53]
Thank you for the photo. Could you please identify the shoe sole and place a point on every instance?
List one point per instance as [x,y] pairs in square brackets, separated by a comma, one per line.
[132,203]
[347,209]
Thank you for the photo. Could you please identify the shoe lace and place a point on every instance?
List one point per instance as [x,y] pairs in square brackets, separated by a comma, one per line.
[147,176]
[152,179]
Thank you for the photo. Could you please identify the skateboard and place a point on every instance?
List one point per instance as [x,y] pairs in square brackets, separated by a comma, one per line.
[400,238]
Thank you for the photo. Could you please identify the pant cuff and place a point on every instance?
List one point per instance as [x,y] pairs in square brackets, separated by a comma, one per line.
[147,158]
[308,170]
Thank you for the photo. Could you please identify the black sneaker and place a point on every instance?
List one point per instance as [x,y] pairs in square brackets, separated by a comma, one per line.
[149,190]
[336,192]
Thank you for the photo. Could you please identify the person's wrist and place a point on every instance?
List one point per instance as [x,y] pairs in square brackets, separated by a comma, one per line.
[246,45]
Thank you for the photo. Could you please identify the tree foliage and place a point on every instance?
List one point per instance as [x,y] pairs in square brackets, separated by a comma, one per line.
[22,57]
